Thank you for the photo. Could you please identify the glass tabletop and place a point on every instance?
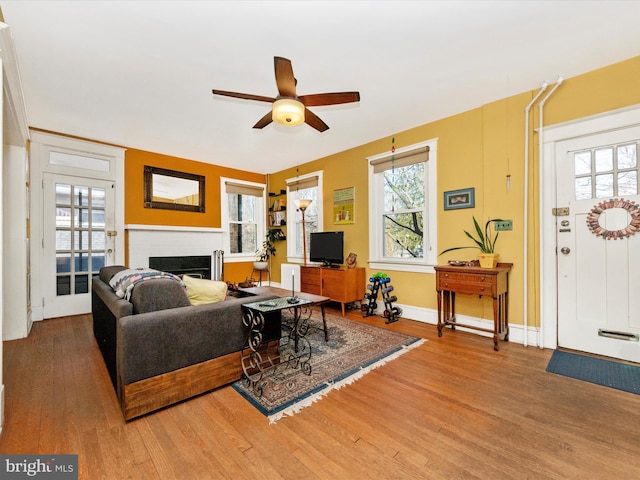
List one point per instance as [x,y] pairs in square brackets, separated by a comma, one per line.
[274,304]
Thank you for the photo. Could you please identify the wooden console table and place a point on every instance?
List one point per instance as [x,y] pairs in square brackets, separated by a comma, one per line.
[474,281]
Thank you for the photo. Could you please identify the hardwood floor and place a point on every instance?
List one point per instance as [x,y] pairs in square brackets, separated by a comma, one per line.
[452,409]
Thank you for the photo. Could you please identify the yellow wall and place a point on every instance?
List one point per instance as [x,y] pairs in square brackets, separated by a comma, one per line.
[477,148]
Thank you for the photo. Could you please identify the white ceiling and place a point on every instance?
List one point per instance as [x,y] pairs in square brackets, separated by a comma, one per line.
[140,73]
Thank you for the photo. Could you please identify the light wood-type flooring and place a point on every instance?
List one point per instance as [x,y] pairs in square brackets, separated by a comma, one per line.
[450,409]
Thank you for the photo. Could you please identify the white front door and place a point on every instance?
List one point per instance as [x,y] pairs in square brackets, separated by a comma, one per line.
[599,276]
[78,220]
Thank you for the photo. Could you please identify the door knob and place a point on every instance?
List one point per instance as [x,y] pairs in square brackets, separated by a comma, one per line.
[110,251]
[565,250]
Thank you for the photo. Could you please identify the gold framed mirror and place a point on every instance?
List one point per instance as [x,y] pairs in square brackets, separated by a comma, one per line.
[173,190]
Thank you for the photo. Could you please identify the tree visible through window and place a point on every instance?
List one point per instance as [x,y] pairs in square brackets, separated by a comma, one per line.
[242,207]
[605,172]
[403,211]
[402,201]
[243,228]
[308,186]
[310,216]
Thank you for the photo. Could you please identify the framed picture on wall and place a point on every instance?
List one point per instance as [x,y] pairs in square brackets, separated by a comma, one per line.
[455,199]
[344,205]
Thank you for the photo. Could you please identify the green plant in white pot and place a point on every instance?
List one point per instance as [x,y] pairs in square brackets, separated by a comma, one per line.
[485,241]
[267,251]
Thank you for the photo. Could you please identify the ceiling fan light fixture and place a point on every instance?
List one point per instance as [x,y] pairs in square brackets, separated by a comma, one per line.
[288,111]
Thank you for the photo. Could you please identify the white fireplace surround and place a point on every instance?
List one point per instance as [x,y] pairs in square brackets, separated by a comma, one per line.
[170,241]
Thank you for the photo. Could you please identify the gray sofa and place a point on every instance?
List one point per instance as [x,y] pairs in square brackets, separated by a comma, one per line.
[159,349]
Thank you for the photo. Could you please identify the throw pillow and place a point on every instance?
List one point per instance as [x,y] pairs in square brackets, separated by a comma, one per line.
[201,291]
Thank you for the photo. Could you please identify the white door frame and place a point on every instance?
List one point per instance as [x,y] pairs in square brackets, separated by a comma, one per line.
[616,119]
[41,145]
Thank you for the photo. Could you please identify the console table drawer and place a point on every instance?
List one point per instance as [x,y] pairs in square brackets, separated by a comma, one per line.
[468,288]
[466,283]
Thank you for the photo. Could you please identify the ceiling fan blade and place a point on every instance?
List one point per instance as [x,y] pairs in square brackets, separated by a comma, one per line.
[320,99]
[244,96]
[264,121]
[285,80]
[314,121]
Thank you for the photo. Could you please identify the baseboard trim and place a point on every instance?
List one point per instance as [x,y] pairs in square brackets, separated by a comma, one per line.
[429,315]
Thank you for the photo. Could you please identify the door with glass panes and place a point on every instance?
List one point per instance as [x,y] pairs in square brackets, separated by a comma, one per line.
[598,249]
[78,229]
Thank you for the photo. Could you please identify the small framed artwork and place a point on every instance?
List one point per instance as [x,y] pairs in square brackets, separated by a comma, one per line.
[344,205]
[464,198]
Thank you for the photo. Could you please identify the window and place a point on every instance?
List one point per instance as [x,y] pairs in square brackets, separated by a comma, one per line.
[303,187]
[606,172]
[243,215]
[80,235]
[402,214]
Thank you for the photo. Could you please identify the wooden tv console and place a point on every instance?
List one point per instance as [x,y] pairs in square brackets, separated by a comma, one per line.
[343,285]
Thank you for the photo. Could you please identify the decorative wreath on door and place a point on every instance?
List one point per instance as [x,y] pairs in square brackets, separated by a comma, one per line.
[593,219]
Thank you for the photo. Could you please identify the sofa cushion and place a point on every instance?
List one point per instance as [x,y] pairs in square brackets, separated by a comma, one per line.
[124,281]
[201,291]
[109,271]
[158,294]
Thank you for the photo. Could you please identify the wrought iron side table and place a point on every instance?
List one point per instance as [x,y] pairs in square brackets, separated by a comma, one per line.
[294,350]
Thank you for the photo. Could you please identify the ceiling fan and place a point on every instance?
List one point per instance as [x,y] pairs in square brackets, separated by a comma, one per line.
[289,108]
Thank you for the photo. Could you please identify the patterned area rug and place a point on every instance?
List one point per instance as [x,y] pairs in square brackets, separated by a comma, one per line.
[353,350]
[621,376]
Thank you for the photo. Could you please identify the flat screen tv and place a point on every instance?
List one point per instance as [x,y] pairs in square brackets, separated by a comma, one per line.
[327,248]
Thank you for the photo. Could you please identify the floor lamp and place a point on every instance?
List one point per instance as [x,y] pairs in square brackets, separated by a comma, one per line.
[302,205]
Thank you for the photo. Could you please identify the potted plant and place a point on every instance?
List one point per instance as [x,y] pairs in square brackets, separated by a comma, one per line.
[268,249]
[485,241]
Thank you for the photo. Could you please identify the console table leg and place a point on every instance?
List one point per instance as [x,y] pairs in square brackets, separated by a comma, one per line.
[506,317]
[439,313]
[452,307]
[496,322]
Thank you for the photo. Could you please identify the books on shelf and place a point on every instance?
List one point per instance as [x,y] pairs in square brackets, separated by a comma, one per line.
[279,204]
[278,218]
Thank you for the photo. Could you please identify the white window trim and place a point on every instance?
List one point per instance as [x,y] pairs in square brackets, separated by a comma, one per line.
[376,260]
[291,215]
[224,220]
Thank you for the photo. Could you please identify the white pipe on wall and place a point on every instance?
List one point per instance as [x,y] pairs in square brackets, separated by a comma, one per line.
[525,243]
[540,339]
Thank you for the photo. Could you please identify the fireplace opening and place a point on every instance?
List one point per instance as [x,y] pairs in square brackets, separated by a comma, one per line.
[198,266]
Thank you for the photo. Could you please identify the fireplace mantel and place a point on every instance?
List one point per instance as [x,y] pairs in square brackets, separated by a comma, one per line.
[172,228]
